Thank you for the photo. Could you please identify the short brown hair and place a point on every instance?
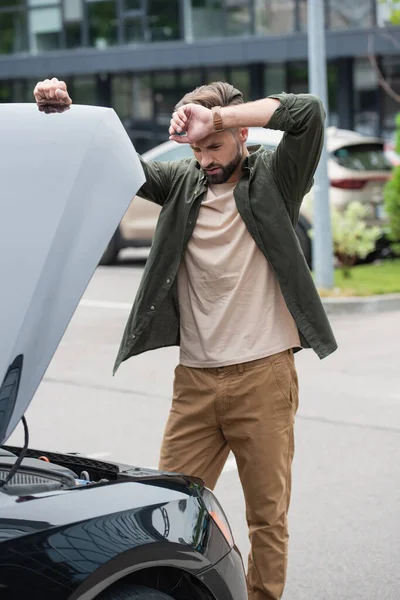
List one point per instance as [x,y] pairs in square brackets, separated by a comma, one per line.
[218,93]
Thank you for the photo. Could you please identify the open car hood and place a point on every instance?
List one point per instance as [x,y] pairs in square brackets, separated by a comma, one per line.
[66,181]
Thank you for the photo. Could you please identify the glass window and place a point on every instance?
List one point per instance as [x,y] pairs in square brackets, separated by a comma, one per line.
[303,15]
[84,90]
[11,3]
[350,14]
[73,10]
[274,17]
[275,78]
[19,90]
[29,86]
[73,17]
[391,70]
[142,98]
[240,79]
[238,17]
[44,25]
[332,75]
[208,19]
[132,4]
[215,74]
[121,96]
[365,97]
[165,102]
[133,30]
[163,19]
[13,36]
[44,29]
[191,79]
[384,11]
[362,157]
[165,80]
[298,77]
[102,18]
[131,97]
[73,35]
[5,91]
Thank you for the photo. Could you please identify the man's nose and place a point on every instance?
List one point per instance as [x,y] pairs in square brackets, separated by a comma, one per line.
[206,161]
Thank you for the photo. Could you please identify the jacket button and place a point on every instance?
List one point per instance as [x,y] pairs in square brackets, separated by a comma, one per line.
[152,307]
[133,336]
[168,281]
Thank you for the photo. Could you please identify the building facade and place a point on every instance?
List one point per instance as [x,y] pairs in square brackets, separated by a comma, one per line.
[141,56]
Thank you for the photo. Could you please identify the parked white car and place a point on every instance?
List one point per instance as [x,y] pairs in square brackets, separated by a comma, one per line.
[357,166]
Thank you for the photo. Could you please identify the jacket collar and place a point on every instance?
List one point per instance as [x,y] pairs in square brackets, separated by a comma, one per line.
[254,153]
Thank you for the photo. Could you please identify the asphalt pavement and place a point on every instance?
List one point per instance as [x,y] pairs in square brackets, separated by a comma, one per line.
[345,510]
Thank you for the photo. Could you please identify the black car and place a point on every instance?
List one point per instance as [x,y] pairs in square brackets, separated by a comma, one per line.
[72,527]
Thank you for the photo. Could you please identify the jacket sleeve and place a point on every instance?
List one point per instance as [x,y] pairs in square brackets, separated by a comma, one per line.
[296,158]
[159,178]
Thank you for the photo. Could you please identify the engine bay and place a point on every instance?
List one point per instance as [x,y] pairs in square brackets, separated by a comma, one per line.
[42,471]
[48,472]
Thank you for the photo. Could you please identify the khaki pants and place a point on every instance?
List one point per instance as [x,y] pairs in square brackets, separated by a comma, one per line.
[249,409]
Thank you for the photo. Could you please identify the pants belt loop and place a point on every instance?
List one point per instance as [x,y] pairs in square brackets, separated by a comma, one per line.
[240,368]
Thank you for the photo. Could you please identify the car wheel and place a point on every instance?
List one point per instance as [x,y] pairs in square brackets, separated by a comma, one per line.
[133,592]
[110,254]
[305,241]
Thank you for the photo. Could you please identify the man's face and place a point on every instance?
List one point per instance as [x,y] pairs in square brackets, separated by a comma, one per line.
[220,155]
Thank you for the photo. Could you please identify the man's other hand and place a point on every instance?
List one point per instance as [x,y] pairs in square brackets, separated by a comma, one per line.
[51,92]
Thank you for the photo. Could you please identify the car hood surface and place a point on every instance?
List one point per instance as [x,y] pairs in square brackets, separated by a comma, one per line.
[66,180]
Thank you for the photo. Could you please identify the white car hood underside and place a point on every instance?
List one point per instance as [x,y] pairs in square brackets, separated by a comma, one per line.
[66,181]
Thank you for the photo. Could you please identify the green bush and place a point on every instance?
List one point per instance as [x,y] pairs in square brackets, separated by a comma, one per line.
[392,198]
[352,238]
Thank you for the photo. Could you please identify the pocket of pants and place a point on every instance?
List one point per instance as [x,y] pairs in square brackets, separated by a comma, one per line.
[286,379]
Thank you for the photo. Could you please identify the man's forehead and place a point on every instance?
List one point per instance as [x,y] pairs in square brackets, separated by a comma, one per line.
[210,140]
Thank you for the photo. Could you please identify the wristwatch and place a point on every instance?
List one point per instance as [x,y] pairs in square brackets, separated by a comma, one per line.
[217,118]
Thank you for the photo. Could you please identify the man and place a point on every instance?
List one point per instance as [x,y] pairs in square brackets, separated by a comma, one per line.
[227,281]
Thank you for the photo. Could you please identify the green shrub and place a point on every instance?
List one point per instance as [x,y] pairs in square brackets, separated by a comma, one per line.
[392,198]
[352,237]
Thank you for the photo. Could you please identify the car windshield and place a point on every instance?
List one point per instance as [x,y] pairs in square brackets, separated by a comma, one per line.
[177,153]
[182,151]
[362,157]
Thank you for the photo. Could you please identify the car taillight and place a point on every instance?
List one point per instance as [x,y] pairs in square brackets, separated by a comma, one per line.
[349,184]
[218,516]
[358,184]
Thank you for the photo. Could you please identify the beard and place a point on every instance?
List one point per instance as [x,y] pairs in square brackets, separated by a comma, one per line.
[225,171]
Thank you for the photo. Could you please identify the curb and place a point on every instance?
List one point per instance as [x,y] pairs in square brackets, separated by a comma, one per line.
[359,305]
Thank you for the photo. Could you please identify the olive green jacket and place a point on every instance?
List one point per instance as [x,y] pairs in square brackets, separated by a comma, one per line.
[268,198]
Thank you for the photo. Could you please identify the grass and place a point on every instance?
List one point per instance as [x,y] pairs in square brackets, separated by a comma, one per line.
[367,280]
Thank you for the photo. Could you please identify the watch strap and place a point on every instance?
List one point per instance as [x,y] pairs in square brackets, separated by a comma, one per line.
[217,118]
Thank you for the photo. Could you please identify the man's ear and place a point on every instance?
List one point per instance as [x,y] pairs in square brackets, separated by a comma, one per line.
[243,133]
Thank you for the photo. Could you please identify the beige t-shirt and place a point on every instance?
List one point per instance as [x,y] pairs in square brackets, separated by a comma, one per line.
[231,306]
